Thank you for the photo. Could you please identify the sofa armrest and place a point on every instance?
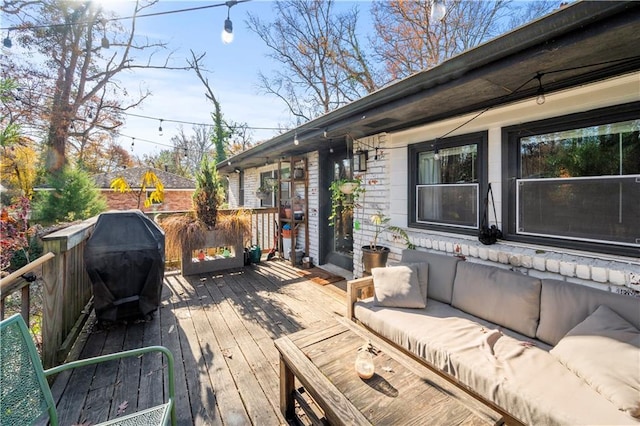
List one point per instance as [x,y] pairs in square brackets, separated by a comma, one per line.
[360,288]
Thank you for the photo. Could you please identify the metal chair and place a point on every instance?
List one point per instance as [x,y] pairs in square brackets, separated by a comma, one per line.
[25,396]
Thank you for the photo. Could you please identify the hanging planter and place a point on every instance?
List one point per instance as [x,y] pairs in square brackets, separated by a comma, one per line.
[344,197]
[261,195]
[349,187]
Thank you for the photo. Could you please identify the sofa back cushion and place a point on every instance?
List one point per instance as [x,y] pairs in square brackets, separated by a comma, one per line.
[442,271]
[503,297]
[563,305]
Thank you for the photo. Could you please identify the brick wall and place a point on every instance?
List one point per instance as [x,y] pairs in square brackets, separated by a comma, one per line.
[173,201]
[385,185]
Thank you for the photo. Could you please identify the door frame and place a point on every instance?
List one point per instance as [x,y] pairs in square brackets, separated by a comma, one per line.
[326,234]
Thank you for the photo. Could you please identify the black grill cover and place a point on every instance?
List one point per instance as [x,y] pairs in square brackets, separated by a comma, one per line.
[125,261]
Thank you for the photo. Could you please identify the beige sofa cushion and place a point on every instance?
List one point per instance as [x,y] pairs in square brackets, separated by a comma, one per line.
[442,271]
[604,350]
[525,380]
[506,298]
[563,305]
[397,286]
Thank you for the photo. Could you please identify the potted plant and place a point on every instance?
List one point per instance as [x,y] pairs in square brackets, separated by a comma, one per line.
[263,192]
[374,255]
[344,196]
[206,227]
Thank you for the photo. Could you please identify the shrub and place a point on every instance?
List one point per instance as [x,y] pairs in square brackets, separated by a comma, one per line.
[73,197]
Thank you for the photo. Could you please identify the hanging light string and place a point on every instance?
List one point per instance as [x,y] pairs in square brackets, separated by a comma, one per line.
[501,100]
[122,18]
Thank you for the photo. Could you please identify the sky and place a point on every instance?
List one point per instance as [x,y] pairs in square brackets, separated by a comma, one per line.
[233,76]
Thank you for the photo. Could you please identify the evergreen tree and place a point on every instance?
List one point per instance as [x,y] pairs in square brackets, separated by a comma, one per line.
[73,197]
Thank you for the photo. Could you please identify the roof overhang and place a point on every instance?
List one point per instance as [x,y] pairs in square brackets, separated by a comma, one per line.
[581,43]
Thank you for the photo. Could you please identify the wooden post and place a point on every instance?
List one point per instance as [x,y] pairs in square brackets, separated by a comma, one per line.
[287,378]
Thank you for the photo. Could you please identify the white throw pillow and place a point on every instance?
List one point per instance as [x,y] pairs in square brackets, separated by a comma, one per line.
[398,287]
[423,277]
[604,350]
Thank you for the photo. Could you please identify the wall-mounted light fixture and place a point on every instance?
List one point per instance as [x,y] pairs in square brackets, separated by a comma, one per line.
[227,31]
[360,161]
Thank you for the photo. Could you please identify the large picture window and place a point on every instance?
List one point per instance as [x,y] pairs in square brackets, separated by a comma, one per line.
[446,179]
[577,180]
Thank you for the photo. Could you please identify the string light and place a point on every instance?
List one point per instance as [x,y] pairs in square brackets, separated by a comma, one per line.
[438,10]
[105,41]
[295,139]
[227,31]
[122,18]
[7,41]
[133,142]
[160,128]
[540,99]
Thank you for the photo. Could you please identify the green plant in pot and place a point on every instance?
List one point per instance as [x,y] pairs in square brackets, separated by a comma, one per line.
[374,255]
[345,194]
[188,231]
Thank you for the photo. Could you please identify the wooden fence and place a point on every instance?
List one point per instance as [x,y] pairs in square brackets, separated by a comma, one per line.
[67,290]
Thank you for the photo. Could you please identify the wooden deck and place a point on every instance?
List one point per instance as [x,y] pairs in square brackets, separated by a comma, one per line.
[220,329]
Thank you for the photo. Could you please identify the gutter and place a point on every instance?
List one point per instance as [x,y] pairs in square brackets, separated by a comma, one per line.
[561,22]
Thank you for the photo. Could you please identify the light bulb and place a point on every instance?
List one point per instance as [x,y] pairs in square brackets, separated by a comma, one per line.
[7,42]
[105,43]
[295,140]
[436,156]
[227,31]
[438,10]
[540,98]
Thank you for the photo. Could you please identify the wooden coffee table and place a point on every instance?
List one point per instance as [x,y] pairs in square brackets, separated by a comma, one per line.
[402,391]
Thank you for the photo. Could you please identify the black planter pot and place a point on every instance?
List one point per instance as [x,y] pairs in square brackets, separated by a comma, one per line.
[374,258]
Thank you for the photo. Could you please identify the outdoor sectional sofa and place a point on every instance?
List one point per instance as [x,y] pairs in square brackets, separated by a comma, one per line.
[543,352]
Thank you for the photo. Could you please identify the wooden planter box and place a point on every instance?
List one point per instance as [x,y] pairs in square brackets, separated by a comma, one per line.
[191,265]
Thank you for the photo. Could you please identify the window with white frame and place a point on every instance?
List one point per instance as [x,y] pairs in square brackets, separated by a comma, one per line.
[446,180]
[577,179]
[266,190]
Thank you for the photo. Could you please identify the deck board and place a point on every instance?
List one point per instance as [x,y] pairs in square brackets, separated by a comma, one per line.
[220,328]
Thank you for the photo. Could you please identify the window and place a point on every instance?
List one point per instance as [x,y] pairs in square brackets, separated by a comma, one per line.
[577,179]
[446,180]
[268,182]
[153,202]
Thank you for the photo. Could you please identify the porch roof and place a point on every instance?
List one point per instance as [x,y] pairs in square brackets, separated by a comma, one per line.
[578,44]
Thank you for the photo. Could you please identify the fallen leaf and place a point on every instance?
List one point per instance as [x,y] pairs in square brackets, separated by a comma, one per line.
[82,424]
[171,329]
[122,407]
[388,369]
[527,344]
